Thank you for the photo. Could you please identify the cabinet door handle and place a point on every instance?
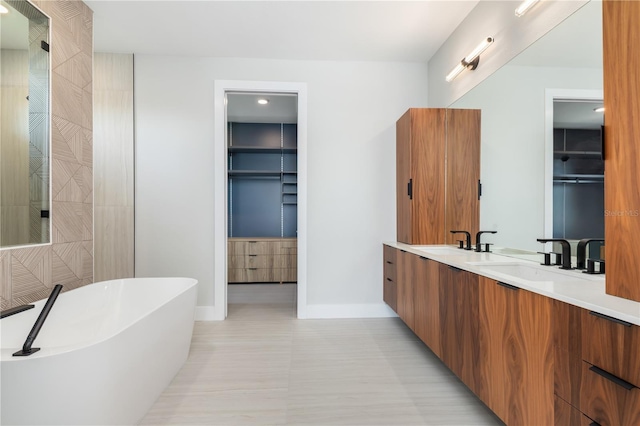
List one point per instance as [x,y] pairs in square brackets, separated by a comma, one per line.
[479,189]
[453,268]
[389,262]
[612,319]
[410,189]
[509,286]
[615,379]
[389,279]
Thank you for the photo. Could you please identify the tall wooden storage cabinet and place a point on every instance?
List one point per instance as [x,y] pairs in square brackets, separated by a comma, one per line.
[438,174]
[621,43]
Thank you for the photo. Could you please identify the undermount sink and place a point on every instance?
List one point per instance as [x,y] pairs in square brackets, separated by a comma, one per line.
[442,250]
[531,273]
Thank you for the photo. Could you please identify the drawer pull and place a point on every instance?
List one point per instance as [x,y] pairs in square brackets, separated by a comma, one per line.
[252,242]
[389,262]
[509,286]
[612,319]
[617,380]
[594,424]
[389,279]
[252,255]
[253,269]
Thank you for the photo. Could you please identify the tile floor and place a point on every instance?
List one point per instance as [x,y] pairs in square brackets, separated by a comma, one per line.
[262,366]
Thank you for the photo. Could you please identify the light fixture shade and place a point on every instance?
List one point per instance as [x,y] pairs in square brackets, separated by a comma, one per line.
[478,50]
[470,61]
[455,72]
[263,101]
[3,9]
[525,6]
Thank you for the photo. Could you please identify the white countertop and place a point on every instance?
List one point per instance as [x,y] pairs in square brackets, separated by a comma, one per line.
[573,287]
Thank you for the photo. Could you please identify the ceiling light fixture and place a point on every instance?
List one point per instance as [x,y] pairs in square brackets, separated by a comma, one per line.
[600,109]
[3,10]
[524,7]
[470,61]
[263,101]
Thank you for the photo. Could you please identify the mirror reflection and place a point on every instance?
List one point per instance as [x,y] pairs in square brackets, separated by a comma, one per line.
[517,126]
[24,134]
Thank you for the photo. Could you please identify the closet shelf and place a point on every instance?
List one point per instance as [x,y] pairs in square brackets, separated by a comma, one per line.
[254,173]
[261,150]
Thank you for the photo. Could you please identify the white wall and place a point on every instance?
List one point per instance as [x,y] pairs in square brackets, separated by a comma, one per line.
[352,110]
[512,153]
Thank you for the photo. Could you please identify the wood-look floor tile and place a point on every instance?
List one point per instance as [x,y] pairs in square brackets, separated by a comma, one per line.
[262,366]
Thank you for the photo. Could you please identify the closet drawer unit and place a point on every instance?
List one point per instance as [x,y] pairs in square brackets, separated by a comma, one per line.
[288,246]
[608,400]
[250,275]
[612,345]
[287,275]
[389,254]
[567,415]
[247,247]
[249,261]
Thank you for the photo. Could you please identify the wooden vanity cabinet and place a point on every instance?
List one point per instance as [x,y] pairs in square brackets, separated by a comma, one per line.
[515,357]
[438,171]
[458,303]
[405,273]
[596,371]
[621,44]
[389,284]
[426,303]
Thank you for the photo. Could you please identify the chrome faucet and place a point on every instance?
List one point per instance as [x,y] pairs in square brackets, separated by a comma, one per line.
[468,238]
[478,245]
[566,250]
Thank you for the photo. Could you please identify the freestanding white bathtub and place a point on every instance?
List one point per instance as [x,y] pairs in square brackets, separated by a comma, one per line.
[108,350]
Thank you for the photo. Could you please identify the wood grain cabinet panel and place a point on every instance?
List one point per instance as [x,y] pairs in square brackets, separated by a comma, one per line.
[390,291]
[516,356]
[426,303]
[607,402]
[261,260]
[567,415]
[463,172]
[612,345]
[424,139]
[405,273]
[567,343]
[458,304]
[621,42]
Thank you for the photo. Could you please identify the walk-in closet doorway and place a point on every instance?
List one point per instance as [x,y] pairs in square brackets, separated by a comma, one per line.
[260,193]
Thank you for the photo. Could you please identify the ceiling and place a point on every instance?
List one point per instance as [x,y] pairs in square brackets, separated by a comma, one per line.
[577,115]
[404,31]
[244,108]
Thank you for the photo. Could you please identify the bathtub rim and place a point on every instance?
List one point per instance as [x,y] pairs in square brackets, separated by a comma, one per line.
[6,354]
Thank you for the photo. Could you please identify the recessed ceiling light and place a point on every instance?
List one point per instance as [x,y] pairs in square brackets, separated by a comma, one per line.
[3,10]
[263,101]
[601,109]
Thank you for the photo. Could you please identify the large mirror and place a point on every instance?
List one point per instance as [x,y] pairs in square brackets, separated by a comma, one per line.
[517,103]
[24,132]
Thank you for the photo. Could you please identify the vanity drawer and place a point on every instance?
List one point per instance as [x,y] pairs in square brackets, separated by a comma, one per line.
[250,275]
[567,415]
[389,255]
[612,345]
[606,400]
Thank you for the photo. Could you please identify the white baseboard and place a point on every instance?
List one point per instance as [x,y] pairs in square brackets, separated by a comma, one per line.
[373,310]
[205,313]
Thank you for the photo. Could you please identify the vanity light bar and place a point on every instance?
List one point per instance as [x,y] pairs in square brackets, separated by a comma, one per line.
[471,60]
[3,10]
[524,7]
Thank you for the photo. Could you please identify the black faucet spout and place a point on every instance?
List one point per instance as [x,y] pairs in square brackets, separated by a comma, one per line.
[468,238]
[26,348]
[566,250]
[478,245]
[581,251]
